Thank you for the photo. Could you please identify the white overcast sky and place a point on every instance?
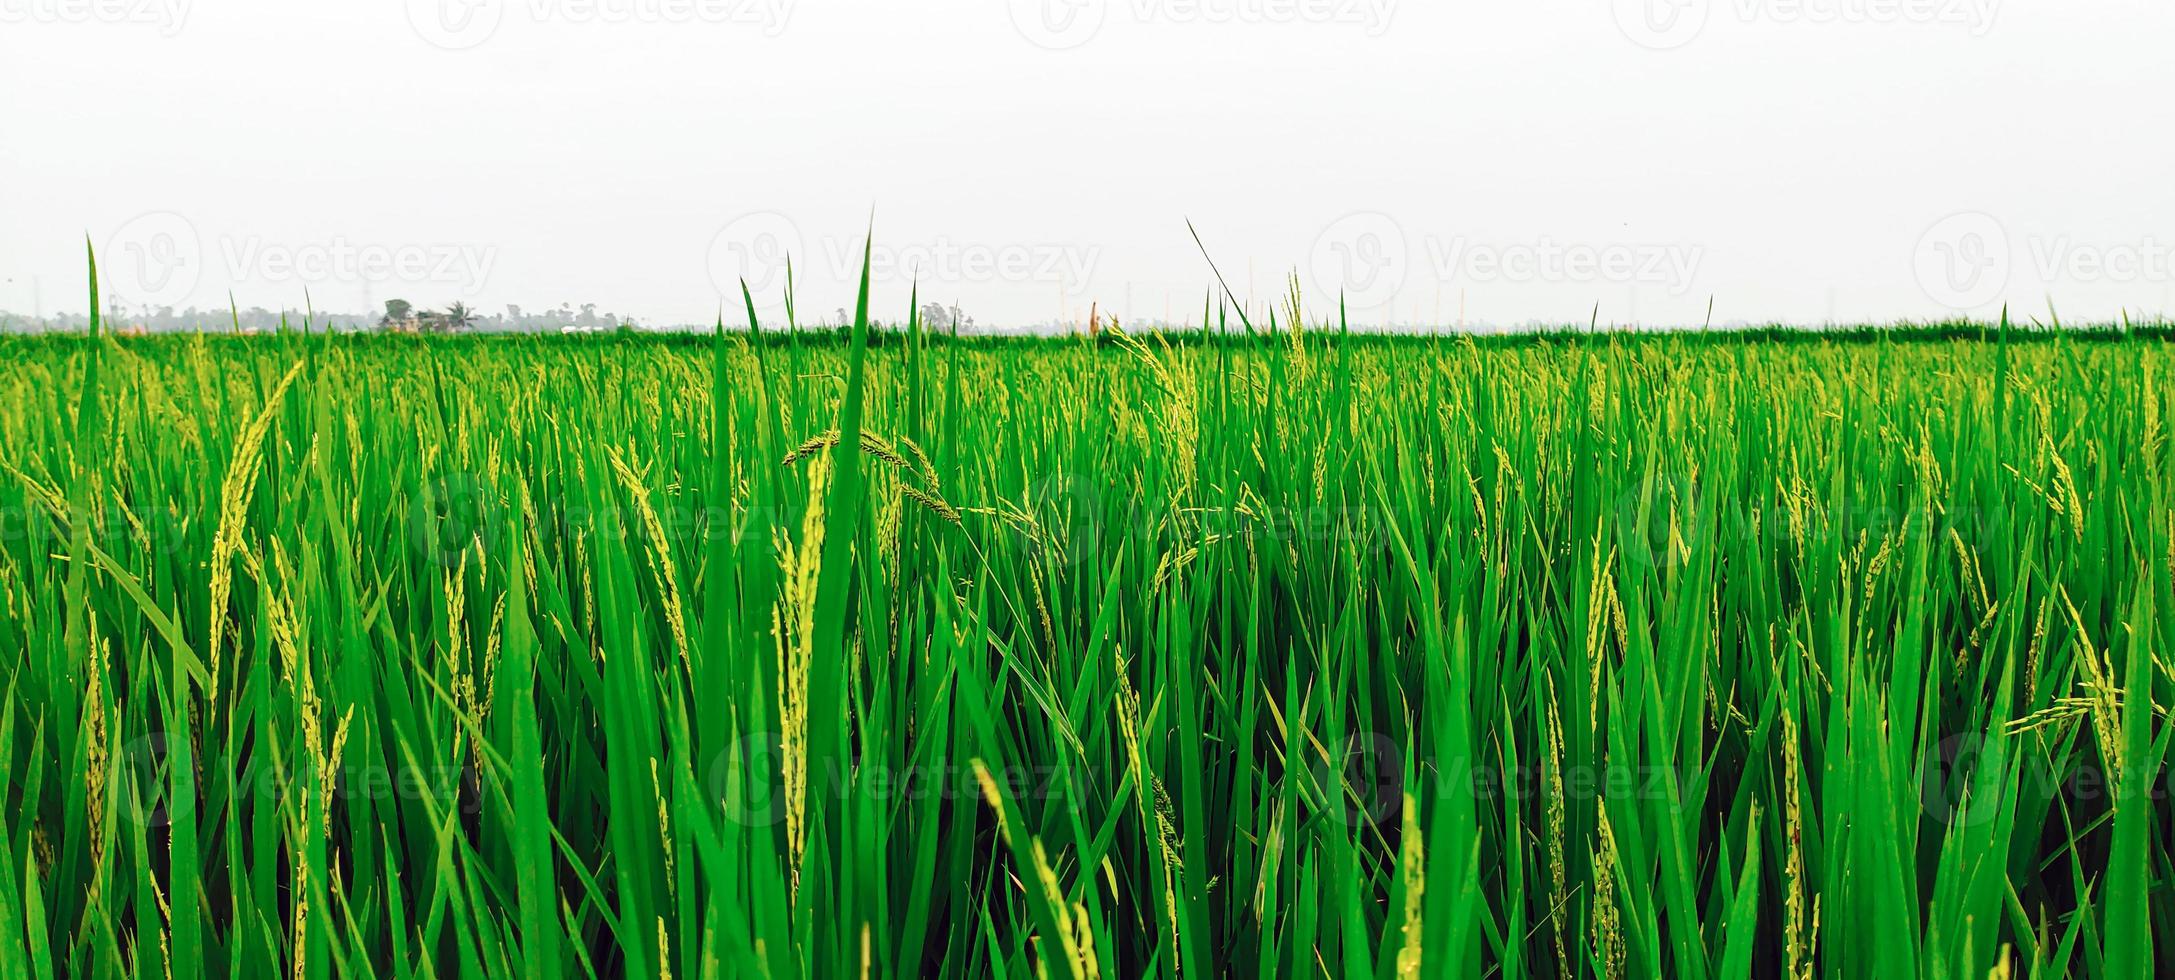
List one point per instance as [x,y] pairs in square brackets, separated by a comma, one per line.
[1502,160]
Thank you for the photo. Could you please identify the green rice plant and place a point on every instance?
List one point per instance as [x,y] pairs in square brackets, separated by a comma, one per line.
[1259,650]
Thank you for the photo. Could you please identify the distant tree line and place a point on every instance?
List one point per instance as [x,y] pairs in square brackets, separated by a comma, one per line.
[397,315]
[400,315]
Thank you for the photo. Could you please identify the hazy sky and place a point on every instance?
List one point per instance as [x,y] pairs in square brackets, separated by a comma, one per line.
[1516,159]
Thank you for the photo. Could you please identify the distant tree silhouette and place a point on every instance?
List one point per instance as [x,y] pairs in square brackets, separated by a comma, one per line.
[457,318]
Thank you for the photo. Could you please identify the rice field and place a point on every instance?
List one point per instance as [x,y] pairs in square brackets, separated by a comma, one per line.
[1266,650]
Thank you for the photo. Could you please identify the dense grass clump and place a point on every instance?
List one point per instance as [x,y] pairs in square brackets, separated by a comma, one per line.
[1269,654]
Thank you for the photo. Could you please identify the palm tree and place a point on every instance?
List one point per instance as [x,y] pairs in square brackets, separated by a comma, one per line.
[457,318]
